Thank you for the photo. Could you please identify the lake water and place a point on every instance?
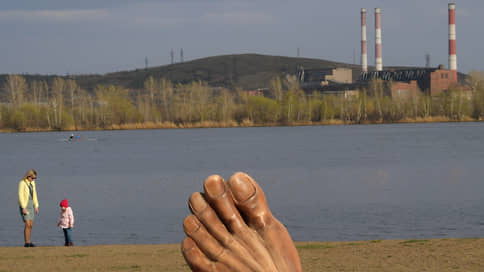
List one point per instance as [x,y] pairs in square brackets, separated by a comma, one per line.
[324,182]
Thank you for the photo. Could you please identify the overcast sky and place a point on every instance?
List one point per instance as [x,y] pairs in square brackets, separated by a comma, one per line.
[102,36]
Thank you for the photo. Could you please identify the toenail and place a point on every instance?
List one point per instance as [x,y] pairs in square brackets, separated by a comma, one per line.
[241,188]
[197,203]
[190,225]
[187,249]
[214,187]
[188,245]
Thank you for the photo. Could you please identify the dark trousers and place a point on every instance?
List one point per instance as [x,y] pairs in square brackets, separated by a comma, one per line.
[68,235]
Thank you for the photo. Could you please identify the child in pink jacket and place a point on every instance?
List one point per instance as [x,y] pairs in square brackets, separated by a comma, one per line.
[66,222]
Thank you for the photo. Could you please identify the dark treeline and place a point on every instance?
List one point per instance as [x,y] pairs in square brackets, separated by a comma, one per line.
[63,105]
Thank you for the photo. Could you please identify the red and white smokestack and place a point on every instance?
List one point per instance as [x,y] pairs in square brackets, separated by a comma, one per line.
[378,52]
[364,54]
[452,43]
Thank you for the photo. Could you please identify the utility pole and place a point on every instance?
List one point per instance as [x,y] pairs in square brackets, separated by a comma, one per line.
[427,60]
[298,52]
[172,54]
[146,63]
[181,55]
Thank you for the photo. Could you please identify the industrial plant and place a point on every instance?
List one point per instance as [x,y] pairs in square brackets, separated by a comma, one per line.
[397,82]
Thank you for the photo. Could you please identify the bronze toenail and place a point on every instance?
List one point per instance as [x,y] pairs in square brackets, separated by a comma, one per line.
[219,255]
[187,249]
[190,224]
[188,245]
[214,187]
[241,188]
[197,203]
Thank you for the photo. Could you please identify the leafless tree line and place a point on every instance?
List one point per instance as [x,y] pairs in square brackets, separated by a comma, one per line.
[62,104]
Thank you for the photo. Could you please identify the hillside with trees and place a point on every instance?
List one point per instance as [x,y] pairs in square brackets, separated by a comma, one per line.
[61,104]
[213,92]
[245,71]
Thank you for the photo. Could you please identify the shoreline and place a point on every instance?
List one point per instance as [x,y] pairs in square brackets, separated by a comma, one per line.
[231,124]
[447,254]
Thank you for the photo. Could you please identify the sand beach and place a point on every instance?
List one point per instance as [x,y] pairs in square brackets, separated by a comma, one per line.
[466,254]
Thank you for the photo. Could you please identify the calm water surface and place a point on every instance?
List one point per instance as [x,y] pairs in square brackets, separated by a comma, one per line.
[324,183]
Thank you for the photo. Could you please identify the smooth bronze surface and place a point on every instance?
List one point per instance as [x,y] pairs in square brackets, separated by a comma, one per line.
[232,229]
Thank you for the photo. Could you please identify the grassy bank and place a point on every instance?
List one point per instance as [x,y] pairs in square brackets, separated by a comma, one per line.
[213,124]
[387,255]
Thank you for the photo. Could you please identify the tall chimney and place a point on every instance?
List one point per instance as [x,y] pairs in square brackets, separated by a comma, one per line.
[452,43]
[378,52]
[364,54]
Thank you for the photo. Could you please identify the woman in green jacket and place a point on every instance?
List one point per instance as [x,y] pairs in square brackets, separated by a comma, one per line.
[28,203]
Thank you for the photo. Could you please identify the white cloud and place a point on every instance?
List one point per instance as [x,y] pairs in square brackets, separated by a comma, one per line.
[144,14]
[53,15]
[239,17]
[156,20]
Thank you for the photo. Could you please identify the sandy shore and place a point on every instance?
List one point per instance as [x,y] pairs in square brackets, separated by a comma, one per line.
[233,124]
[387,255]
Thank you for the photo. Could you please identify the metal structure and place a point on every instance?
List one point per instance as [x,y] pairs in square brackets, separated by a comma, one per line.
[427,60]
[452,42]
[364,54]
[378,47]
[400,75]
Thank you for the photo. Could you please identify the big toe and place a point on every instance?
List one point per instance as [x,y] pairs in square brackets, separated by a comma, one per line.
[250,200]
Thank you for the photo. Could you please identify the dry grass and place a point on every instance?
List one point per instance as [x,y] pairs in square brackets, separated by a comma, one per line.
[244,123]
[391,255]
[377,255]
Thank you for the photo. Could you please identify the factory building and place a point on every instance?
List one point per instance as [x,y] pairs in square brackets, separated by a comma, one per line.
[316,78]
[408,82]
[336,81]
[397,83]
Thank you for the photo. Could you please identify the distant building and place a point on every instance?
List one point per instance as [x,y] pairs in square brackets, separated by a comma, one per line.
[397,83]
[254,92]
[347,90]
[408,82]
[315,78]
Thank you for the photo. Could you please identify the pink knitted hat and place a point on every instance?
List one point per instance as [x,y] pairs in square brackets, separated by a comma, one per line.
[64,203]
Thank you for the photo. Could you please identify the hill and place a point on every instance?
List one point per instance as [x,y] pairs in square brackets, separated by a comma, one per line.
[247,71]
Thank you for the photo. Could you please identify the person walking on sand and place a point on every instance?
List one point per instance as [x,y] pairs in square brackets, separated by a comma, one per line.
[66,222]
[28,203]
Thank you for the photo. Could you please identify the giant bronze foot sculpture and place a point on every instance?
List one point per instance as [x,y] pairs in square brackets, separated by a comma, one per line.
[231,228]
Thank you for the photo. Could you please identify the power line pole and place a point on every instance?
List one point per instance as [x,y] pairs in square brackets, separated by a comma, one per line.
[172,54]
[146,63]
[181,55]
[427,60]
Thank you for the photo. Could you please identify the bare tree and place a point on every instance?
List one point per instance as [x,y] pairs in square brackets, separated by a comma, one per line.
[57,100]
[37,90]
[15,86]
[72,89]
[151,89]
[166,97]
[376,88]
[276,88]
[227,102]
[201,93]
